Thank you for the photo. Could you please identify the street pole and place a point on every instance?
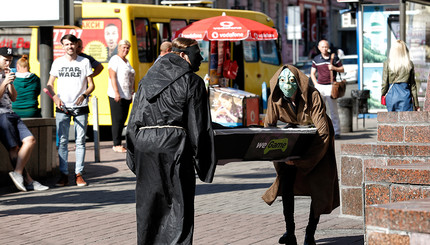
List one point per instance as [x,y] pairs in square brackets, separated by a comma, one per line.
[45,58]
[402,20]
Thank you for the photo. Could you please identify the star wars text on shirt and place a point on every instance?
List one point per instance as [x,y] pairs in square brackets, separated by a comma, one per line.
[69,72]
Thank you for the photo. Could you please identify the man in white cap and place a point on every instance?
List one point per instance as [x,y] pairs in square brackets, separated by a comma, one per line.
[14,134]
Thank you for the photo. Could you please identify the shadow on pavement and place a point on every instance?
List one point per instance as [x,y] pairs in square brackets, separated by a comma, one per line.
[342,240]
[220,188]
[68,201]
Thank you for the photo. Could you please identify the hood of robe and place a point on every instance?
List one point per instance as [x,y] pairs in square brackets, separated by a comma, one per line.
[301,79]
[166,71]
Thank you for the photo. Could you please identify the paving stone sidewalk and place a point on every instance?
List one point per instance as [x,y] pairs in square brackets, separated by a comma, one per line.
[228,211]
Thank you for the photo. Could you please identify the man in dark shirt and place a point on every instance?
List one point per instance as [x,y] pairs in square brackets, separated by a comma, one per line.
[323,66]
[97,66]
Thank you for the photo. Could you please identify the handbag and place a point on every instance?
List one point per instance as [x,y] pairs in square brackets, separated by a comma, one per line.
[230,67]
[337,88]
[383,100]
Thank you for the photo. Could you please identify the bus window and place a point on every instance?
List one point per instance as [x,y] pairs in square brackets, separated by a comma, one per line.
[143,41]
[268,52]
[204,50]
[177,25]
[250,52]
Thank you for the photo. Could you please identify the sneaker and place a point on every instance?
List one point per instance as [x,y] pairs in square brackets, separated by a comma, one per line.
[64,180]
[80,180]
[119,148]
[36,186]
[18,180]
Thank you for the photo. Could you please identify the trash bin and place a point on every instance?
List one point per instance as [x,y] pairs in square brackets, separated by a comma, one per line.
[360,101]
[360,105]
[345,114]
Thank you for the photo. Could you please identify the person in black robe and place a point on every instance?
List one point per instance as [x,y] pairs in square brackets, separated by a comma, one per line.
[169,138]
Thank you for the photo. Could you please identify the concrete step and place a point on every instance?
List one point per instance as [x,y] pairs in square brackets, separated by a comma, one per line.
[388,184]
[406,222]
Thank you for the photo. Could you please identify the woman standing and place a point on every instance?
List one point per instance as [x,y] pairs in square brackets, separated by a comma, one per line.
[27,86]
[398,80]
[169,137]
[120,91]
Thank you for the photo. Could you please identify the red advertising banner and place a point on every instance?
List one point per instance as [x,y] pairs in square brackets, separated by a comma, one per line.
[100,38]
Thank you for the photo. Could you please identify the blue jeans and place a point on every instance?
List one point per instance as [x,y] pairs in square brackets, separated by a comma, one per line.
[63,125]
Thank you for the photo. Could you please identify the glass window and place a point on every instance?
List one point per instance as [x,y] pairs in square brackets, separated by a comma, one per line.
[177,25]
[250,51]
[269,52]
[144,47]
[418,41]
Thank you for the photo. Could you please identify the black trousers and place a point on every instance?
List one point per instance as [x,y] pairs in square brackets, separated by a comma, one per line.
[288,178]
[119,113]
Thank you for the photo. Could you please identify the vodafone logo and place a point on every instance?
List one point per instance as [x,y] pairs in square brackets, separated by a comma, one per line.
[214,34]
[226,24]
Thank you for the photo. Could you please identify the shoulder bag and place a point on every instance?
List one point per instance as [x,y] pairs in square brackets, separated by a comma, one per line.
[337,88]
[383,100]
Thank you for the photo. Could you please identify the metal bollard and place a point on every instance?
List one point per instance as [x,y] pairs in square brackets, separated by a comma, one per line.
[96,129]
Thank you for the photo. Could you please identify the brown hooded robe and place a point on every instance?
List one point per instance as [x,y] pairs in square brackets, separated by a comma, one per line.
[316,169]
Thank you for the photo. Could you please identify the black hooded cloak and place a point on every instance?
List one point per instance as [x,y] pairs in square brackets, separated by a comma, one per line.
[169,134]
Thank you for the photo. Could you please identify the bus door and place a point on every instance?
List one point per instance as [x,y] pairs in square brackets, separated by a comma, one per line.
[145,49]
[161,33]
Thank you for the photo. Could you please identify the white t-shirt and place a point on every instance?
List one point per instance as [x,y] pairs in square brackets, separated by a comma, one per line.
[71,79]
[124,76]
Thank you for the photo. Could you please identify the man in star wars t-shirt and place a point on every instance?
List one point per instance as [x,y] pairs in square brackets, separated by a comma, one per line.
[74,85]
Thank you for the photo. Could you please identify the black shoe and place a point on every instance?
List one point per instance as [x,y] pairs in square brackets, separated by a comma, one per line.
[289,239]
[309,240]
[64,180]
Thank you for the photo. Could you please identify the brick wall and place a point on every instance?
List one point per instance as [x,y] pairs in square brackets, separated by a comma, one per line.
[403,139]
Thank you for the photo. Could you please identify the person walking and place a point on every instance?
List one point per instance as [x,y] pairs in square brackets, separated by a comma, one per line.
[14,134]
[120,92]
[314,173]
[323,65]
[398,80]
[27,86]
[169,137]
[74,85]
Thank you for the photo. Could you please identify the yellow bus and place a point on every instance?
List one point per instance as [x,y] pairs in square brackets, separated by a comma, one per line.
[146,27]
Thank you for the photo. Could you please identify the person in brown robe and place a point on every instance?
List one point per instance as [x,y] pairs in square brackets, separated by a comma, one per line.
[314,173]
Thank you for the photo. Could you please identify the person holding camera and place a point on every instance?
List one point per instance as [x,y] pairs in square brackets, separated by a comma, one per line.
[14,134]
[74,84]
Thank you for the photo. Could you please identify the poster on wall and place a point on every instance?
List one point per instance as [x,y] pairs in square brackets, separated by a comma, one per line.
[100,38]
[378,32]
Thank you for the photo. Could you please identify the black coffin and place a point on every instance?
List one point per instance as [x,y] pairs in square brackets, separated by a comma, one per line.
[257,144]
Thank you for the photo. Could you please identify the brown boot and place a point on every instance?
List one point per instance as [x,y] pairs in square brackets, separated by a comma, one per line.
[80,181]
